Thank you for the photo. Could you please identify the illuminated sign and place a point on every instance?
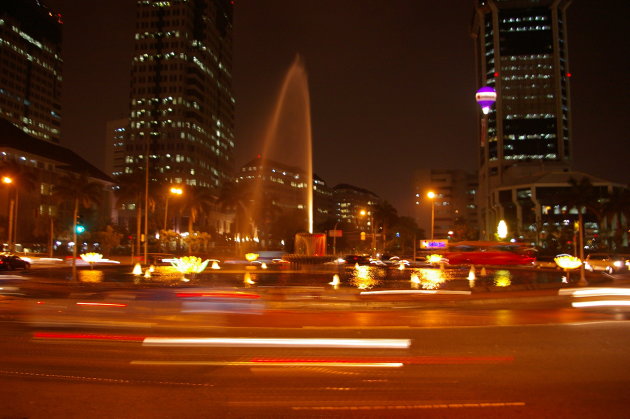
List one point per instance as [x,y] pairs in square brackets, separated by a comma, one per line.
[433,244]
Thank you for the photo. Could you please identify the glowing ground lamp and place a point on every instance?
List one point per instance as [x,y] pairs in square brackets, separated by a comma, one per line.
[485,97]
[91,258]
[434,258]
[250,257]
[189,265]
[568,262]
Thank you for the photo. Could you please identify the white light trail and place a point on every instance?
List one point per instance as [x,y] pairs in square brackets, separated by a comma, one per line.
[280,342]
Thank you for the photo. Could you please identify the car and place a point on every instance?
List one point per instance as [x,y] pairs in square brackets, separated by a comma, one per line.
[161,259]
[605,262]
[11,262]
[357,259]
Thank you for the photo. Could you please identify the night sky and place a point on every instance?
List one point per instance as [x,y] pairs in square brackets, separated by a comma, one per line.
[391,82]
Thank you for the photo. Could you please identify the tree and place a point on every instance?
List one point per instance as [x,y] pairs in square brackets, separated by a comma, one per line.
[22,178]
[79,191]
[582,196]
[130,187]
[108,239]
[196,201]
[616,213]
[385,216]
[235,197]
[409,234]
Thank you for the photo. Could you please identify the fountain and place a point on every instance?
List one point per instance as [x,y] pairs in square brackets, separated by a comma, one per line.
[289,139]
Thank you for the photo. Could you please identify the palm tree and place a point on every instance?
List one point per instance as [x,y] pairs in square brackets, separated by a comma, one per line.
[234,197]
[130,187]
[197,201]
[22,179]
[583,196]
[617,206]
[80,191]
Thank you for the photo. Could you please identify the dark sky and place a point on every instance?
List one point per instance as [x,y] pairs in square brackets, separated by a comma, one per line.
[391,83]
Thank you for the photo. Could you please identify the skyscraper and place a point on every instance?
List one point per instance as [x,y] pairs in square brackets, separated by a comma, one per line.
[30,68]
[521,51]
[182,108]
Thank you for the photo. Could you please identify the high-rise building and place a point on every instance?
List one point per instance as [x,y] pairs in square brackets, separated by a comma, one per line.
[521,50]
[31,68]
[182,108]
[452,213]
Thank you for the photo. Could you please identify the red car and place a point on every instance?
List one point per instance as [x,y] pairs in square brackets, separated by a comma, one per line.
[488,253]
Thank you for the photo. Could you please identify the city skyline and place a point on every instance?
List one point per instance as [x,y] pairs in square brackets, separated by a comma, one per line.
[392,89]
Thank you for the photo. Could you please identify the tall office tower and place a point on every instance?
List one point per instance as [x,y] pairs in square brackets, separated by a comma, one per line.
[30,68]
[521,51]
[452,213]
[182,109]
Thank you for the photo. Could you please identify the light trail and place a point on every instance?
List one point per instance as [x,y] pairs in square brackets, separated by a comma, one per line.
[431,292]
[281,342]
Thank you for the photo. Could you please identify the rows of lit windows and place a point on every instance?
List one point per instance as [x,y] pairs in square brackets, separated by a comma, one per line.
[537,67]
[527,77]
[528,97]
[156,35]
[32,58]
[550,156]
[531,116]
[546,136]
[33,41]
[527,28]
[524,19]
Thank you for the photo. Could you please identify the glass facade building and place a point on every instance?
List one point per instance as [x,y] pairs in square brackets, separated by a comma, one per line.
[31,68]
[521,51]
[182,107]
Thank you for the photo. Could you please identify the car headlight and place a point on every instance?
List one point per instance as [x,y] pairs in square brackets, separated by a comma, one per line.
[618,263]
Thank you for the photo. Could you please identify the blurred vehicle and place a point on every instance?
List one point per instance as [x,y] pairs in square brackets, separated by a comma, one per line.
[488,253]
[545,262]
[12,262]
[161,259]
[357,259]
[605,263]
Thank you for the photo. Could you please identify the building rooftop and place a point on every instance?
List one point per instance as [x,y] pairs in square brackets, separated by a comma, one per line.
[14,138]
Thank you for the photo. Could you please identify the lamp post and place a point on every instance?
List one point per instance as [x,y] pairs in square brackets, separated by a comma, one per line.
[9,181]
[485,97]
[173,191]
[371,221]
[431,195]
[335,239]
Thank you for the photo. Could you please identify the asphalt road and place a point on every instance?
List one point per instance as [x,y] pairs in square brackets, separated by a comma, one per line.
[556,369]
[65,357]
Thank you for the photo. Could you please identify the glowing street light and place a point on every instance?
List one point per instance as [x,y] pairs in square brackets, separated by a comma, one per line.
[9,181]
[431,195]
[364,213]
[173,191]
[502,230]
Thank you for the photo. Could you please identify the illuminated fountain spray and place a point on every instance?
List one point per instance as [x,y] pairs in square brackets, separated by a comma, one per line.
[289,139]
[290,128]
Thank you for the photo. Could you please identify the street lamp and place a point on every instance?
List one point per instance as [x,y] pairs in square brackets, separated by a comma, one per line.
[335,239]
[431,195]
[173,191]
[485,97]
[9,181]
[371,221]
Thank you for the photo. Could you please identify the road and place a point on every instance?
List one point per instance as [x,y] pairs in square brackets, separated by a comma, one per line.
[562,368]
[71,355]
